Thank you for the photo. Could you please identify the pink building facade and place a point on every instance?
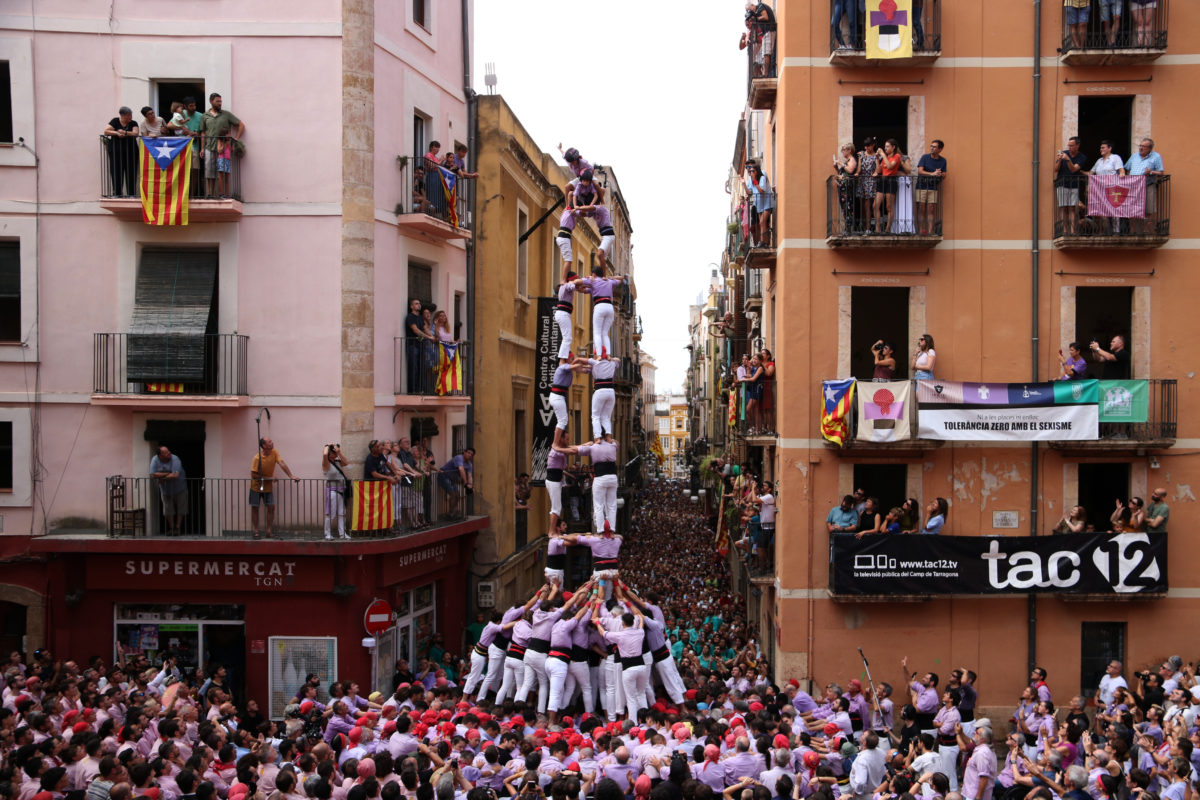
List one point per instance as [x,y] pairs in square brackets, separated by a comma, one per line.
[294,289]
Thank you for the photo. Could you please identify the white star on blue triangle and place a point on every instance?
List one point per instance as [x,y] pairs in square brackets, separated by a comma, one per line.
[167,149]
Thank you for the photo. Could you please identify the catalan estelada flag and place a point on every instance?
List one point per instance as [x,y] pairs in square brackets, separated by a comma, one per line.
[450,371]
[656,449]
[450,187]
[371,508]
[838,406]
[165,179]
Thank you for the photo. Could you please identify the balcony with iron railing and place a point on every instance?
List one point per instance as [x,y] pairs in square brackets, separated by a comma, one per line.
[210,199]
[431,374]
[1136,34]
[848,33]
[217,508]
[434,201]
[908,215]
[755,421]
[752,289]
[1112,212]
[762,78]
[170,370]
[758,241]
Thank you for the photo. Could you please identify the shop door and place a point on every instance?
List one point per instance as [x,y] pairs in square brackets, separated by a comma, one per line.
[226,645]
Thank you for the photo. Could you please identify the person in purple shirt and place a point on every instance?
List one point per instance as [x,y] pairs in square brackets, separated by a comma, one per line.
[858,700]
[499,646]
[742,764]
[605,550]
[924,694]
[948,723]
[603,312]
[628,640]
[480,654]
[979,778]
[604,483]
[1037,679]
[514,657]
[556,462]
[563,310]
[544,616]
[580,666]
[604,397]
[560,384]
[623,770]
[558,661]
[710,771]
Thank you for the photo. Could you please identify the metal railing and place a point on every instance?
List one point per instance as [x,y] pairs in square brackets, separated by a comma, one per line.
[1150,219]
[734,240]
[431,189]
[916,206]
[220,508]
[429,368]
[757,419]
[170,364]
[847,26]
[753,283]
[761,47]
[1136,28]
[120,169]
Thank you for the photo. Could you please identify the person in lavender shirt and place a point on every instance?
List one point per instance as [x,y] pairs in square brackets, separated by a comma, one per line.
[604,487]
[556,553]
[558,662]
[560,384]
[603,313]
[924,695]
[948,722]
[979,777]
[1037,679]
[563,310]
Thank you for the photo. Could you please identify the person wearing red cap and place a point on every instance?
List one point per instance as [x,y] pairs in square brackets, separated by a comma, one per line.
[709,771]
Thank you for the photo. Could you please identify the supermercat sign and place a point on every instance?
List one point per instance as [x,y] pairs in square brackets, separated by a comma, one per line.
[200,572]
[1078,563]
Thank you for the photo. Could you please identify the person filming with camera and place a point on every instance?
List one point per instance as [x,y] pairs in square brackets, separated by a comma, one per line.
[332,462]
[885,361]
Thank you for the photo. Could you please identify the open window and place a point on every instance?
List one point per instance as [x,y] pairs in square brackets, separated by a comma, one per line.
[887,483]
[882,117]
[878,313]
[1100,486]
[171,345]
[1100,643]
[1102,312]
[10,291]
[169,91]
[1105,118]
[6,108]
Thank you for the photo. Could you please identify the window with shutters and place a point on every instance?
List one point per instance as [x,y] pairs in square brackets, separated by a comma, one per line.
[10,291]
[174,318]
[420,283]
[291,658]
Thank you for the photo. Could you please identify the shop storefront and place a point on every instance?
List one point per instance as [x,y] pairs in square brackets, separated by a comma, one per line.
[270,613]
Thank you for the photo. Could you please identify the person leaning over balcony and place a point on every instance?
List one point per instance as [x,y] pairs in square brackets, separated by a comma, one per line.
[754,389]
[764,21]
[1068,177]
[1073,367]
[931,171]
[458,471]
[121,135]
[767,402]
[1158,513]
[332,461]
[219,130]
[1146,161]
[167,470]
[414,335]
[151,126]
[1073,522]
[764,203]
[842,518]
[937,511]
[924,358]
[460,163]
[262,483]
[869,520]
[845,166]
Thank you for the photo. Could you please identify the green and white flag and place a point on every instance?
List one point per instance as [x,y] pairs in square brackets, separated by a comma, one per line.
[1124,401]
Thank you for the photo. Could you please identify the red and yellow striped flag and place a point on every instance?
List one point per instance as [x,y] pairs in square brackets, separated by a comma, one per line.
[165,179]
[371,509]
[450,369]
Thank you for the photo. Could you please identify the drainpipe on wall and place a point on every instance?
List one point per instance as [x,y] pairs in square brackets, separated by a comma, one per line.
[1034,342]
[472,140]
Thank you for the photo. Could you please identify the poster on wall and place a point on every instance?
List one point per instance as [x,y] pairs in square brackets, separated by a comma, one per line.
[548,339]
[1074,563]
[1008,412]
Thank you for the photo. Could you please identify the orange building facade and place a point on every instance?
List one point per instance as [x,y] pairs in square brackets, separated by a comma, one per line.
[1001,279]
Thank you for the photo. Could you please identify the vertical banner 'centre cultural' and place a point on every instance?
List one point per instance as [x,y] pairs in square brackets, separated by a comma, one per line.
[548,337]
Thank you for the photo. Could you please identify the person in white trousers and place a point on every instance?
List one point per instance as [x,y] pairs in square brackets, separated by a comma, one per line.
[561,384]
[604,395]
[947,721]
[548,612]
[628,639]
[604,484]
[498,648]
[558,660]
[660,652]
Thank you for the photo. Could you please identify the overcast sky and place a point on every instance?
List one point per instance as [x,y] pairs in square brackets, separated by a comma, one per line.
[655,91]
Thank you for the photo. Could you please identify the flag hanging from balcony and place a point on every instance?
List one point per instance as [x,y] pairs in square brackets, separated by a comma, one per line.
[722,531]
[883,411]
[165,179]
[1015,412]
[450,187]
[371,506]
[839,401]
[656,449]
[889,29]
[1124,401]
[450,370]
[1117,196]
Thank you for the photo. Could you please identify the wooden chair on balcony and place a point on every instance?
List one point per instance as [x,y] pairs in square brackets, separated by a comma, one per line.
[123,520]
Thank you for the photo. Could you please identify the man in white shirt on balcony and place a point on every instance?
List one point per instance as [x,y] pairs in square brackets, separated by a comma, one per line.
[167,471]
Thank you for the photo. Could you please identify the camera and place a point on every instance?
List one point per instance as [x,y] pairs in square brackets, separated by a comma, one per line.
[877,346]
[333,447]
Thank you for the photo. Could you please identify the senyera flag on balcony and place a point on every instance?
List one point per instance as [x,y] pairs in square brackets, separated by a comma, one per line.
[883,411]
[371,506]
[1117,196]
[889,28]
[835,413]
[1007,412]
[1072,563]
[166,179]
[450,370]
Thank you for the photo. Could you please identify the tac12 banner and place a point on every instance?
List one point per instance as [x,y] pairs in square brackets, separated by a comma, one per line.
[548,338]
[1074,563]
[1008,412]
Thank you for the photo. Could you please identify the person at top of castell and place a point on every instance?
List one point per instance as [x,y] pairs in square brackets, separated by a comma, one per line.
[584,199]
